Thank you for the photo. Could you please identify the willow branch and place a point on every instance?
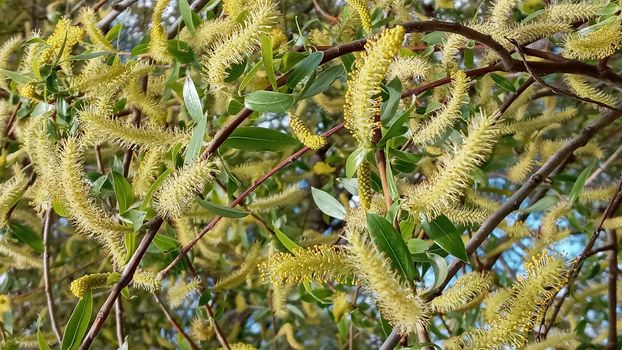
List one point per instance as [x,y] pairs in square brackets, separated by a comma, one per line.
[612,338]
[47,226]
[117,9]
[174,322]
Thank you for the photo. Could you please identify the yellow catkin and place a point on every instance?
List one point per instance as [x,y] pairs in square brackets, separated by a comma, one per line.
[287,330]
[597,194]
[550,230]
[398,304]
[566,11]
[209,32]
[201,330]
[146,172]
[613,223]
[517,230]
[320,263]
[5,303]
[495,303]
[407,69]
[364,84]
[363,11]
[89,22]
[533,124]
[331,105]
[464,215]
[64,37]
[454,175]
[241,346]
[6,50]
[341,305]
[289,196]
[252,170]
[180,188]
[468,288]
[279,299]
[42,153]
[525,164]
[479,201]
[363,177]
[11,191]
[21,258]
[180,291]
[239,275]
[580,86]
[601,43]
[549,147]
[82,285]
[557,341]
[304,135]
[148,105]
[241,43]
[158,41]
[448,114]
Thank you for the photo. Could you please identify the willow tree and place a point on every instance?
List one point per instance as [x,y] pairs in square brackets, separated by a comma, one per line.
[246,174]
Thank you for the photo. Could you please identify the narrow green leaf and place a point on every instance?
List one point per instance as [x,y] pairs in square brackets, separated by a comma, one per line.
[123,191]
[327,204]
[186,14]
[543,204]
[196,141]
[130,245]
[269,101]
[307,286]
[17,77]
[154,186]
[577,187]
[303,68]
[252,138]
[266,57]
[78,323]
[503,82]
[390,242]
[389,107]
[89,55]
[222,210]
[60,210]
[287,242]
[324,81]
[26,235]
[354,160]
[249,77]
[165,243]
[192,100]
[43,345]
[445,234]
[440,268]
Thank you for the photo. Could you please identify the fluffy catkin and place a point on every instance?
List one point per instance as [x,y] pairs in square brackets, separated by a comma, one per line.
[79,287]
[320,263]
[469,288]
[289,196]
[179,291]
[364,84]
[304,135]
[465,215]
[241,43]
[237,277]
[363,178]
[446,186]
[179,189]
[21,258]
[522,168]
[580,86]
[556,341]
[407,69]
[402,308]
[533,124]
[158,40]
[89,22]
[363,11]
[11,191]
[148,105]
[448,114]
[601,43]
[6,50]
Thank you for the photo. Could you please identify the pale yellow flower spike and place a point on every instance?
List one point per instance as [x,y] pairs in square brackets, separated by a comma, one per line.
[201,330]
[580,86]
[468,288]
[287,330]
[304,135]
[89,21]
[241,346]
[11,191]
[408,68]
[179,189]
[522,168]
[6,50]
[448,114]
[449,183]
[65,36]
[178,292]
[403,309]
[319,263]
[596,45]
[237,277]
[82,285]
[244,41]
[279,299]
[158,41]
[556,341]
[363,177]
[21,258]
[289,196]
[364,83]
[363,11]
[613,223]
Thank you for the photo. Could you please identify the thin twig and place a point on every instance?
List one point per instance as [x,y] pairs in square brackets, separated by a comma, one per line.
[47,226]
[174,322]
[604,165]
[117,9]
[612,337]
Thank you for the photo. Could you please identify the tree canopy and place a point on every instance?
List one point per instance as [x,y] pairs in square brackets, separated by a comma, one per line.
[270,174]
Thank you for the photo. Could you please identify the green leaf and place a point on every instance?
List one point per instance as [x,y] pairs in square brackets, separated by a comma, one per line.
[113,33]
[192,100]
[196,141]
[416,245]
[26,235]
[17,77]
[78,323]
[253,138]
[269,101]
[307,286]
[165,243]
[327,204]
[136,217]
[303,68]
[396,128]
[60,210]
[130,245]
[154,186]
[43,345]
[543,204]
[249,77]
[439,266]
[433,38]
[503,82]
[389,107]
[445,234]
[354,160]
[287,242]
[577,187]
[186,14]
[266,57]
[324,81]
[222,210]
[350,185]
[89,55]
[123,191]
[390,242]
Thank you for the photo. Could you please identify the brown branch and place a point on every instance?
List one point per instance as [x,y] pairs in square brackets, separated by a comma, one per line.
[117,9]
[174,322]
[612,338]
[47,226]
[118,313]
[330,18]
